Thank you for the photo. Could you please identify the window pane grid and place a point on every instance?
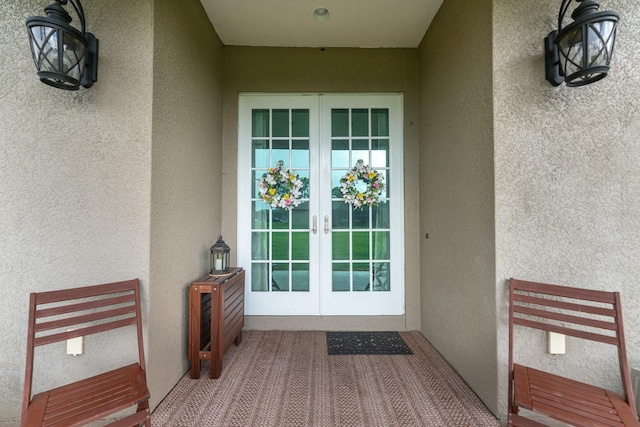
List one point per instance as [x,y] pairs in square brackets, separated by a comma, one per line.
[363,252]
[279,134]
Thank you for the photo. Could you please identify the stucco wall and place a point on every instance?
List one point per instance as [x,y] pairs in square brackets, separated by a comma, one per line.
[298,70]
[567,179]
[186,177]
[456,193]
[74,179]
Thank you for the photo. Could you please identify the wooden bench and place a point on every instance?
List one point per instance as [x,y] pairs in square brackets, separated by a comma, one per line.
[582,313]
[56,316]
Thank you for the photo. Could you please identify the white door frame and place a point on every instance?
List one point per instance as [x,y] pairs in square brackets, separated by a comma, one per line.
[320,300]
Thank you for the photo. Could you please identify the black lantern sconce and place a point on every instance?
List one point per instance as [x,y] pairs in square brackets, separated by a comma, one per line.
[65,57]
[580,53]
[220,254]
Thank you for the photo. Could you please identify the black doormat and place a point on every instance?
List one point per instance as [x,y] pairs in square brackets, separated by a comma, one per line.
[349,343]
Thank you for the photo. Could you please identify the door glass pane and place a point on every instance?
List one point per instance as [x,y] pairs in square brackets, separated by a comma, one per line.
[279,219]
[280,123]
[260,123]
[259,277]
[300,123]
[280,278]
[280,246]
[360,245]
[340,246]
[300,277]
[257,174]
[304,177]
[259,246]
[280,152]
[360,151]
[260,215]
[360,217]
[359,122]
[385,190]
[300,245]
[340,277]
[380,122]
[381,281]
[340,215]
[336,175]
[380,153]
[300,154]
[340,153]
[380,215]
[339,122]
[380,242]
[361,276]
[260,157]
[300,217]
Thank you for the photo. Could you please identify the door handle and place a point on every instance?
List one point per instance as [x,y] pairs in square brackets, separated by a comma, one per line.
[326,224]
[314,228]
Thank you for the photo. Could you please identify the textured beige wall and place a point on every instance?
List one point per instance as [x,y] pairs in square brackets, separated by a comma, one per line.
[74,179]
[567,179]
[456,193]
[248,69]
[186,177]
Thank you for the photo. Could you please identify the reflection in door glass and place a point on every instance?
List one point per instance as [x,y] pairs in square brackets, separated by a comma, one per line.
[340,277]
[300,277]
[379,122]
[300,154]
[380,153]
[280,277]
[259,277]
[361,276]
[340,153]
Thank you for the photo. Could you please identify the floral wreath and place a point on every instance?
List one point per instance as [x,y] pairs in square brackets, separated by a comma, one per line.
[361,186]
[281,187]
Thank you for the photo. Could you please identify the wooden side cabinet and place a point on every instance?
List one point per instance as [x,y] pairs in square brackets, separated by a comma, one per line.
[216,319]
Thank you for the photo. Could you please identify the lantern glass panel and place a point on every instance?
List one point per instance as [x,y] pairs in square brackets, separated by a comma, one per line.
[59,52]
[217,261]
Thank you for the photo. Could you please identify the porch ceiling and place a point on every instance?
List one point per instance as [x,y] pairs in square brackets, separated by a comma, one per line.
[352,23]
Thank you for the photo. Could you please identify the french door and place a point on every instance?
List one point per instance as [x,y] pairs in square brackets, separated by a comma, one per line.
[322,257]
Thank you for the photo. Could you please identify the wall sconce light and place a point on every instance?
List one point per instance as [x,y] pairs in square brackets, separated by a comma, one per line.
[65,57]
[580,53]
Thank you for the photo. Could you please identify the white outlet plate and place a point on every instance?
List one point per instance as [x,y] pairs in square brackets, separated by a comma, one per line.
[557,343]
[75,346]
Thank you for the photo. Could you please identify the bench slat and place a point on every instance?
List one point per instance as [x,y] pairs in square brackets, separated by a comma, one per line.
[63,336]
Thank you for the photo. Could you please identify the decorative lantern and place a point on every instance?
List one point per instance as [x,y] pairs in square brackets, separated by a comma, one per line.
[580,53]
[220,253]
[65,57]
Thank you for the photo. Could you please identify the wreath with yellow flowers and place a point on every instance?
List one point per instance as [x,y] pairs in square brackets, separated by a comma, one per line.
[281,187]
[361,186]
